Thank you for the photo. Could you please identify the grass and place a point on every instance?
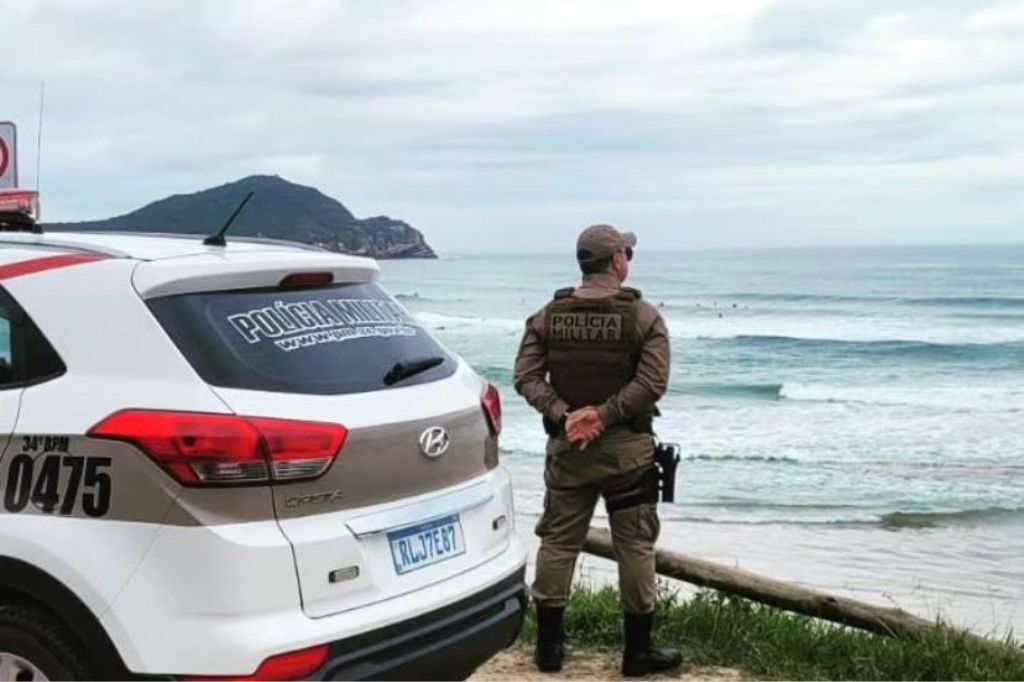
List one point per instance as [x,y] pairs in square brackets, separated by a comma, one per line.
[767,643]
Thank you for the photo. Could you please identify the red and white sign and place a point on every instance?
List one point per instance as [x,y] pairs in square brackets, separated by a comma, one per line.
[8,156]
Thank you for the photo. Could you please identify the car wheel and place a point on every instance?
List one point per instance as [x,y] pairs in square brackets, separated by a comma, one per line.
[35,646]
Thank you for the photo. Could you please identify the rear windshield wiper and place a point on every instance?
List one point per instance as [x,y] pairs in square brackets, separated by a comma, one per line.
[409,368]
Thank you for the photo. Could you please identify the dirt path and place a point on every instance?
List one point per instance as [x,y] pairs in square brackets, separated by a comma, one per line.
[517,664]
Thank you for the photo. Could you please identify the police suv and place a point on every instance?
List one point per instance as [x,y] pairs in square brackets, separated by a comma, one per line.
[243,460]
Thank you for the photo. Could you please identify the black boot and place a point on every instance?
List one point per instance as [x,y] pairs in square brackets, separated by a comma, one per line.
[550,634]
[640,658]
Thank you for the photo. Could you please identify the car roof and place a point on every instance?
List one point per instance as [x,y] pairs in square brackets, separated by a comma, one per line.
[142,246]
[173,264]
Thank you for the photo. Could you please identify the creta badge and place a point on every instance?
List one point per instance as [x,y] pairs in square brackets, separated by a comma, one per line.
[434,441]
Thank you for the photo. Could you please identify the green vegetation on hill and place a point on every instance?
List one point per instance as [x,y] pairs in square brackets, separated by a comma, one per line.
[766,643]
[278,210]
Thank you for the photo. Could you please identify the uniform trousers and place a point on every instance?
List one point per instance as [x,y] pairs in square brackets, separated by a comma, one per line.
[618,467]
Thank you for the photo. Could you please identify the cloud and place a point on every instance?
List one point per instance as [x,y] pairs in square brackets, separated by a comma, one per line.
[697,124]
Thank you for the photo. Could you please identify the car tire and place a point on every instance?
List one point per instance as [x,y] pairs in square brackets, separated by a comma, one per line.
[30,635]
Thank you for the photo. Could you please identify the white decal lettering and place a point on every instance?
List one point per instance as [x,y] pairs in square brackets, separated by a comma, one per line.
[303,324]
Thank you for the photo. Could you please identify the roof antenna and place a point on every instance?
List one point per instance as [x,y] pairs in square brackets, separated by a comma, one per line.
[38,227]
[217,239]
[39,134]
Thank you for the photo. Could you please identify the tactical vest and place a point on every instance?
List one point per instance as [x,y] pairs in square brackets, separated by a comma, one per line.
[593,345]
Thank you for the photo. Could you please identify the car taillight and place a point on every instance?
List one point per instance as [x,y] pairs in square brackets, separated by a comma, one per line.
[490,400]
[296,665]
[299,449]
[197,448]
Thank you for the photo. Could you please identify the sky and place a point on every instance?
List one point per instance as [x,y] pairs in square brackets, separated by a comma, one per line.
[509,126]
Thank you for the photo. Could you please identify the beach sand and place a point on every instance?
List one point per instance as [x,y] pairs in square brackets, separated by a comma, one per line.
[516,663]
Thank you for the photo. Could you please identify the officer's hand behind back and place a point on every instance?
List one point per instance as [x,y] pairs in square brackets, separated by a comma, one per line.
[584,426]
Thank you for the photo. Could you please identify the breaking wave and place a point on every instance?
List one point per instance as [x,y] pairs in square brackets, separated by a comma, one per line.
[439,321]
[899,347]
[754,391]
[724,300]
[1011,350]
[890,521]
[966,517]
[967,302]
[766,459]
[1007,397]
[969,342]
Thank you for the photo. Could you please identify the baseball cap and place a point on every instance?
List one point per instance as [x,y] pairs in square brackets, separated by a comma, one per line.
[602,241]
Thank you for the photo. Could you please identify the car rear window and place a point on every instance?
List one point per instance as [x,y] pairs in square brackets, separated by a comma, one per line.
[338,339]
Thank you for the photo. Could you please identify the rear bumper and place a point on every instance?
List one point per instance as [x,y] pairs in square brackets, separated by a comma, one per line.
[189,610]
[446,644]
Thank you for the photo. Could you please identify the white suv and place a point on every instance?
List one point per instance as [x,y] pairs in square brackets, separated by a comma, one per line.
[243,461]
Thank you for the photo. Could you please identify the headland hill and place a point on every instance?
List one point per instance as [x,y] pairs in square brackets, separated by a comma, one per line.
[279,209]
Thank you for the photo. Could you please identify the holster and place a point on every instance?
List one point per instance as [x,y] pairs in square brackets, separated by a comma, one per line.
[666,457]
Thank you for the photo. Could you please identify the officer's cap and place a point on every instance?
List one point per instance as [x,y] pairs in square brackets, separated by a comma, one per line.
[602,241]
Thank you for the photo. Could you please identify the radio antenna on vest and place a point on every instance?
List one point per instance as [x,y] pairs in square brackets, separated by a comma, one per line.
[217,239]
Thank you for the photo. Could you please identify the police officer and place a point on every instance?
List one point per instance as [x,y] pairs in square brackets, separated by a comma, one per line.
[594,361]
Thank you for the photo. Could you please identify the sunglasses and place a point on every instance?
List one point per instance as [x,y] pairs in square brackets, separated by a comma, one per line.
[629,252]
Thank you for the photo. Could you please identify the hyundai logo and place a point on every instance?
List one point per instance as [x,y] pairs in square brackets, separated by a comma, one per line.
[434,441]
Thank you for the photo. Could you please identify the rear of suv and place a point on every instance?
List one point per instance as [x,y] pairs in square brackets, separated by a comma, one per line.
[245,461]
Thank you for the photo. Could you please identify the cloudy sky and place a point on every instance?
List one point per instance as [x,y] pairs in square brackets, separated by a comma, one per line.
[510,125]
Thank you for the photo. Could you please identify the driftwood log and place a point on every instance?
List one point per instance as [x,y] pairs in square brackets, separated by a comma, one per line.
[879,619]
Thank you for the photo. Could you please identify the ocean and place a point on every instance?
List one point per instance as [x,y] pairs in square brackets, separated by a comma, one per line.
[850,419]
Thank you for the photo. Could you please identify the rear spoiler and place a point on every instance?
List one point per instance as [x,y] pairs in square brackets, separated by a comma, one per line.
[248,270]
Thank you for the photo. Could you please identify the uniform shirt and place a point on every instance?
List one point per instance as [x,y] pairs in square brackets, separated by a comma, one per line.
[636,397]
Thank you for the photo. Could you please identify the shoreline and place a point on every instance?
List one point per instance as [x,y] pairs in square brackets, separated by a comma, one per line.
[919,582]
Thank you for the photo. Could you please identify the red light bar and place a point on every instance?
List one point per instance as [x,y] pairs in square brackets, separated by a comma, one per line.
[19,201]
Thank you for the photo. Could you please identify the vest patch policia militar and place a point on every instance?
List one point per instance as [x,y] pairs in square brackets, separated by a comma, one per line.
[593,345]
[583,326]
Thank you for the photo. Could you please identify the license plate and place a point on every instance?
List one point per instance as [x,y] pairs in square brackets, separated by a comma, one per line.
[426,544]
